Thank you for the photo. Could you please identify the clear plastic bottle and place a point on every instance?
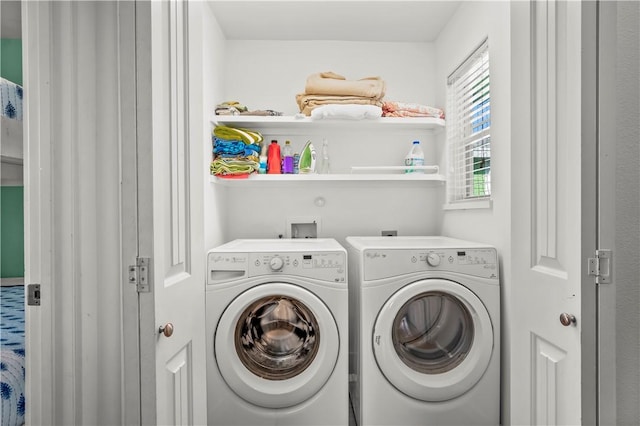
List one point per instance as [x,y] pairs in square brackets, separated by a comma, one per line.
[263,159]
[296,163]
[325,163]
[415,157]
[287,158]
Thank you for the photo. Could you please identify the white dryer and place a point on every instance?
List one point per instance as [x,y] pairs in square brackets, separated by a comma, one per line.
[277,333]
[425,336]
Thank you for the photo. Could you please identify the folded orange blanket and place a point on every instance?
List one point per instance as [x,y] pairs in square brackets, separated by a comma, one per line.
[307,103]
[330,83]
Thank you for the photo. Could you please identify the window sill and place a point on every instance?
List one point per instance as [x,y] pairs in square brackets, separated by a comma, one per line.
[485,203]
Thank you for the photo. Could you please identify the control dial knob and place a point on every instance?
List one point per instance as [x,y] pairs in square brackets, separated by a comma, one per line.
[276,263]
[433,259]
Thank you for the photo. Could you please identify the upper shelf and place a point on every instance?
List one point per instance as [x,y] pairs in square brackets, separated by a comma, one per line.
[309,123]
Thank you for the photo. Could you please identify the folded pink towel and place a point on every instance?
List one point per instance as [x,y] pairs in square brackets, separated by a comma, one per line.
[404,109]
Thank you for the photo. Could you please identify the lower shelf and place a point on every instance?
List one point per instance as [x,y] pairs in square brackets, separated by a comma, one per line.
[308,178]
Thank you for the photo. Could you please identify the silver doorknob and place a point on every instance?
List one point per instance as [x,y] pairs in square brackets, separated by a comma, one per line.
[166,329]
[567,319]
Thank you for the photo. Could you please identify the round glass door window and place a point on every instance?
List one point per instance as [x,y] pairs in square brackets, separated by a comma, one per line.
[276,345]
[277,337]
[433,339]
[433,332]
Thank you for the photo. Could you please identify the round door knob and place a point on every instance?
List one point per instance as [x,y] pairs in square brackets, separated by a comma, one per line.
[567,319]
[166,329]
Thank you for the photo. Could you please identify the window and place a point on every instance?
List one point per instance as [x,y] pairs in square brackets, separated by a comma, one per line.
[469,128]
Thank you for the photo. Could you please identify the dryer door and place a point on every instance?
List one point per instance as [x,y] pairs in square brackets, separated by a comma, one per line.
[276,345]
[433,339]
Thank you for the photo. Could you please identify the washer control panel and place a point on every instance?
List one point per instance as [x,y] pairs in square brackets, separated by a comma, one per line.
[328,266]
[325,266]
[385,263]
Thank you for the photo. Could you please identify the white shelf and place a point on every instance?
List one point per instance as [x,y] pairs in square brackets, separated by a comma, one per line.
[365,174]
[429,169]
[276,122]
[310,178]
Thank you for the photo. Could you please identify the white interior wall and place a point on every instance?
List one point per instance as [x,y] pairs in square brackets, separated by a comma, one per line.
[627,268]
[262,75]
[10,14]
[267,74]
[472,23]
[349,209]
[12,133]
[213,54]
[11,174]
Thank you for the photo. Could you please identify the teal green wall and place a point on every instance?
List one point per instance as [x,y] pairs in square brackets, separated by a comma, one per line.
[11,59]
[11,197]
[11,231]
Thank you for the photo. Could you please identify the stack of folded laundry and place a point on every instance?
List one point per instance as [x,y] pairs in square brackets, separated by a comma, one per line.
[236,108]
[328,88]
[235,151]
[403,109]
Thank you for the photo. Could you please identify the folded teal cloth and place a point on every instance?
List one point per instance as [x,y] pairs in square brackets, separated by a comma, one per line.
[232,148]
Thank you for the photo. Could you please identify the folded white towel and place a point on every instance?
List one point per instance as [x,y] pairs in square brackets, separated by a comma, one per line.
[346,111]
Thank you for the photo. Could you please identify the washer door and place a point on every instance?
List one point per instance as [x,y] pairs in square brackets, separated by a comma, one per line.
[433,340]
[276,345]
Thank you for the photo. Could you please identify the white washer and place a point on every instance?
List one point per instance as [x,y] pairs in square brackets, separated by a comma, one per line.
[277,333]
[425,336]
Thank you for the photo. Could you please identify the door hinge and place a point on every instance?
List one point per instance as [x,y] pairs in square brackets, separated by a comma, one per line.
[139,274]
[601,265]
[33,294]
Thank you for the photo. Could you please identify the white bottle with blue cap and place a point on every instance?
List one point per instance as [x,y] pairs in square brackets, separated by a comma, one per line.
[415,157]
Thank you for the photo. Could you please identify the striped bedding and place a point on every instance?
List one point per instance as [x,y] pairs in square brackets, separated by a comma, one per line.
[12,355]
[11,99]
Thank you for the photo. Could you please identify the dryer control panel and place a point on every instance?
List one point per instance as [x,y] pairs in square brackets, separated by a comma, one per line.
[322,265]
[385,263]
[326,266]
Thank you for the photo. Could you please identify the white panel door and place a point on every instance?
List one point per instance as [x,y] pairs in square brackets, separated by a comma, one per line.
[553,211]
[170,218]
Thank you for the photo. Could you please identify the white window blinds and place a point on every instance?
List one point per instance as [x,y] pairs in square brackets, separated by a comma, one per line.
[469,128]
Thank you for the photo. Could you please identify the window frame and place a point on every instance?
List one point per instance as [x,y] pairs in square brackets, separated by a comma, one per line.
[469,132]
